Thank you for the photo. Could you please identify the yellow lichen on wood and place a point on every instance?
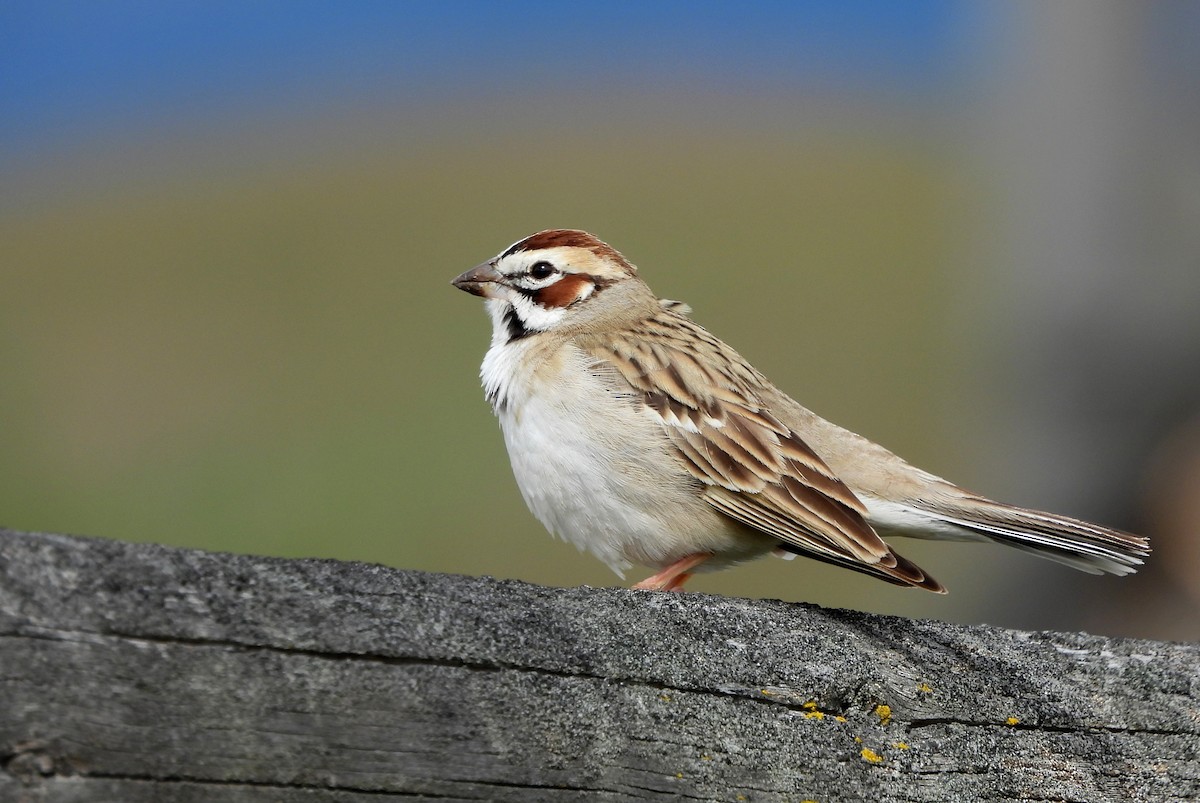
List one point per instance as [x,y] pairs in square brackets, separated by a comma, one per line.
[871,756]
[884,712]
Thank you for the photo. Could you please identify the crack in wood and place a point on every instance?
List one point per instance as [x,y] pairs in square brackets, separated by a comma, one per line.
[742,694]
[916,724]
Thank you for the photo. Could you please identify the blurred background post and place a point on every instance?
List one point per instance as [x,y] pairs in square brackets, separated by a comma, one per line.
[966,230]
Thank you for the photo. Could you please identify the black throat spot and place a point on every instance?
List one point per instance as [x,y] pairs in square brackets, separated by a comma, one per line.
[516,328]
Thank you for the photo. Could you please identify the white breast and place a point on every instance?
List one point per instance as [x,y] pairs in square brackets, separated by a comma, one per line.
[592,465]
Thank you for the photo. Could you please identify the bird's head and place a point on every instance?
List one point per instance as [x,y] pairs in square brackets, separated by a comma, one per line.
[557,280]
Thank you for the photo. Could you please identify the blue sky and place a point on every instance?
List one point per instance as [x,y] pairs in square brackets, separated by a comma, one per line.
[69,69]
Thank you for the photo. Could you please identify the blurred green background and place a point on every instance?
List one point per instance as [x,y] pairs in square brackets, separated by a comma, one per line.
[226,319]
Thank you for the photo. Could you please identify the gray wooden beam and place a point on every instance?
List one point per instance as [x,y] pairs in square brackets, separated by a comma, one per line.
[136,672]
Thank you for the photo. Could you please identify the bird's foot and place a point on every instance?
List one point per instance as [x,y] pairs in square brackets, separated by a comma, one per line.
[674,576]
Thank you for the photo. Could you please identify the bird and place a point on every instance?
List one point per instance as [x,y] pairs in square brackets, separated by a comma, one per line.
[636,434]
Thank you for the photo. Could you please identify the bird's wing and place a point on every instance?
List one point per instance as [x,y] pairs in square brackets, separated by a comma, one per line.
[754,468]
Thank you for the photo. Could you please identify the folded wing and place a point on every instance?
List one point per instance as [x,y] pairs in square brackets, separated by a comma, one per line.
[753,467]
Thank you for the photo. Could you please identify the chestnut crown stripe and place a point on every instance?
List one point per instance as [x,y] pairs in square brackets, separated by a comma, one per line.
[571,238]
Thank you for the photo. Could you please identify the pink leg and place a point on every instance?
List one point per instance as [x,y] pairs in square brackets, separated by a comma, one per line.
[674,576]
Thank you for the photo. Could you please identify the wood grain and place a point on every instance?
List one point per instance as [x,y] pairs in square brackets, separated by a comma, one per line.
[134,672]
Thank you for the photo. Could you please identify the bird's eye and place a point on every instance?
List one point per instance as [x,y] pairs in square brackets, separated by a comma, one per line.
[542,270]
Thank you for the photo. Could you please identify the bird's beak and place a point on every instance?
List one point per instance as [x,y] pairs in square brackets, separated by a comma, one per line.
[479,280]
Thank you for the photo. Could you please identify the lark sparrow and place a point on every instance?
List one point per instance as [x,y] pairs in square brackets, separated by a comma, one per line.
[636,434]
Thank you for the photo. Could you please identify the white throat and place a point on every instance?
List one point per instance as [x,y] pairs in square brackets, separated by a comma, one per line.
[531,316]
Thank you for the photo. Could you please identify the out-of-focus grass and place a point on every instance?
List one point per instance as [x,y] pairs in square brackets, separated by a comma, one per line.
[274,361]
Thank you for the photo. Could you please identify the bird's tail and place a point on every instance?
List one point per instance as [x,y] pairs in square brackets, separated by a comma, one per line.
[1078,544]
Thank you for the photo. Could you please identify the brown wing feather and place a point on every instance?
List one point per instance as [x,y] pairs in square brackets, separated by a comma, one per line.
[757,471]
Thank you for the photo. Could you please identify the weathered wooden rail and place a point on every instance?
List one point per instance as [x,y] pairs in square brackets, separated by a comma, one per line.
[133,672]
